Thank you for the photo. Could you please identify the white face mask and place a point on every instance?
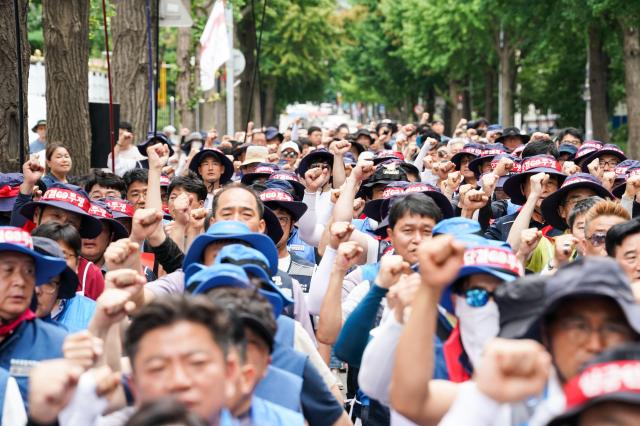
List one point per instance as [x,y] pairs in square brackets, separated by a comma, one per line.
[477,326]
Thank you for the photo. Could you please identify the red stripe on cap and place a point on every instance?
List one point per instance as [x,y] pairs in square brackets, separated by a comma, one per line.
[284,176]
[98,211]
[164,181]
[493,257]
[392,192]
[537,162]
[8,192]
[275,195]
[420,187]
[67,196]
[471,150]
[120,206]
[603,379]
[16,236]
[573,180]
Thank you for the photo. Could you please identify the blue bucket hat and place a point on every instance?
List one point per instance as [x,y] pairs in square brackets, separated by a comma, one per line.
[457,226]
[232,230]
[254,263]
[68,278]
[70,198]
[20,241]
[201,279]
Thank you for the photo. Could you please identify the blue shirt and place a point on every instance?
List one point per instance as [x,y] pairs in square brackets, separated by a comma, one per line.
[37,146]
[76,313]
[264,412]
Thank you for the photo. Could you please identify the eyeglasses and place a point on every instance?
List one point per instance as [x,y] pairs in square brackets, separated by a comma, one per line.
[290,154]
[597,238]
[48,288]
[579,331]
[321,165]
[477,297]
[610,163]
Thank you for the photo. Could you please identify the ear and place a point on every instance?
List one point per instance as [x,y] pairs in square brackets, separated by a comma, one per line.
[262,226]
[232,370]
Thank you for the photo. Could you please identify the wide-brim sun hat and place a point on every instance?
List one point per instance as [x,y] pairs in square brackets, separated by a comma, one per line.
[531,166]
[549,207]
[20,241]
[197,159]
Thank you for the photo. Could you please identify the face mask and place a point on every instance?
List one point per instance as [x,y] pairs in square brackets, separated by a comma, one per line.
[477,326]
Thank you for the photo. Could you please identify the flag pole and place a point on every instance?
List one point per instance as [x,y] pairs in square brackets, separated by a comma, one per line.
[230,72]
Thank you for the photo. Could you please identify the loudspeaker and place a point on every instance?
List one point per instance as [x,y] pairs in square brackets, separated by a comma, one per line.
[100,143]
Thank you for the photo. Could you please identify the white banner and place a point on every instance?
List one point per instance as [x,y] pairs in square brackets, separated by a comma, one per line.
[214,46]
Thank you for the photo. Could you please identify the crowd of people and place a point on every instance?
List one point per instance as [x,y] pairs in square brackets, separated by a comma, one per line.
[382,275]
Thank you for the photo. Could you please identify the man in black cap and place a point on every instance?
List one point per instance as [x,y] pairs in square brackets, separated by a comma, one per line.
[588,307]
[512,138]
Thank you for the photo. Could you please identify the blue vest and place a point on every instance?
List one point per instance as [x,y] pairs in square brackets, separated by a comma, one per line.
[272,385]
[4,379]
[299,247]
[76,313]
[31,342]
[264,412]
[364,225]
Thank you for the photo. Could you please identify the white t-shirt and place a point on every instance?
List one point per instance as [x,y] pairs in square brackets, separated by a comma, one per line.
[125,160]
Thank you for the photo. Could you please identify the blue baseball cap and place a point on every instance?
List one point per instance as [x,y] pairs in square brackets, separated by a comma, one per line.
[232,230]
[204,278]
[457,226]
[254,263]
[20,241]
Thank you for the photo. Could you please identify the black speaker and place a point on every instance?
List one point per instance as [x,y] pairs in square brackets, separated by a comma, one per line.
[100,143]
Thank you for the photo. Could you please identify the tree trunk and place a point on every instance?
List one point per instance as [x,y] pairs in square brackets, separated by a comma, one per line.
[270,104]
[184,81]
[66,43]
[455,104]
[246,32]
[598,64]
[631,46]
[130,63]
[9,115]
[489,87]
[507,78]
[466,99]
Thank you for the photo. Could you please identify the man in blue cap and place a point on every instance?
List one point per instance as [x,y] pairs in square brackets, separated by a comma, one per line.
[25,340]
[318,405]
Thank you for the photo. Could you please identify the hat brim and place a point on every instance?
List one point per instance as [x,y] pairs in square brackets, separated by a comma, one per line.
[274,230]
[118,229]
[513,185]
[295,208]
[457,158]
[572,416]
[68,283]
[142,148]
[221,280]
[597,154]
[523,138]
[467,271]
[475,164]
[532,329]
[227,174]
[7,203]
[549,207]
[261,242]
[312,157]
[250,178]
[47,267]
[90,227]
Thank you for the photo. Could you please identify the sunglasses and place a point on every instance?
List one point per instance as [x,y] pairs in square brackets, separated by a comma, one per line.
[597,238]
[289,154]
[477,297]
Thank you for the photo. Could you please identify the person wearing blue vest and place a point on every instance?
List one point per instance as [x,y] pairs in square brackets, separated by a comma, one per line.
[228,286]
[179,347]
[57,301]
[24,339]
[318,405]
